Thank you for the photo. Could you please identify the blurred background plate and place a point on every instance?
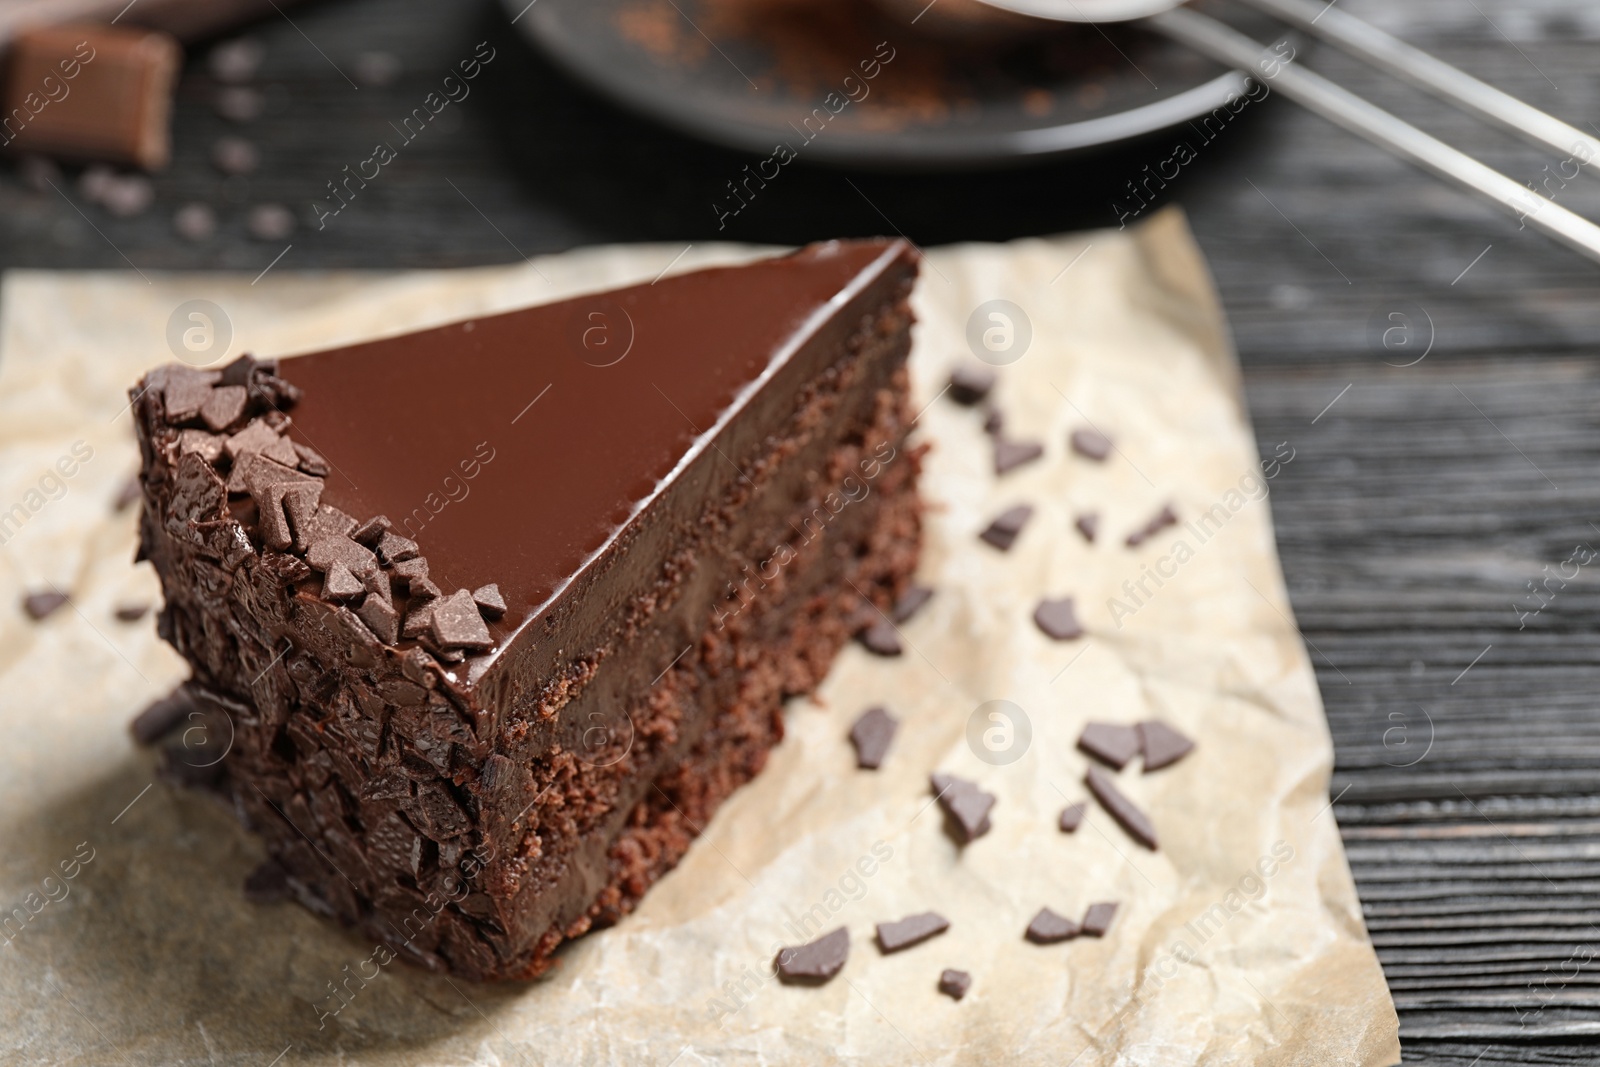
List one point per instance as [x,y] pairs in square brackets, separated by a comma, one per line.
[749,74]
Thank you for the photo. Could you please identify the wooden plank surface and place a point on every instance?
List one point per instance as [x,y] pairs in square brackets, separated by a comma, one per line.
[1421,502]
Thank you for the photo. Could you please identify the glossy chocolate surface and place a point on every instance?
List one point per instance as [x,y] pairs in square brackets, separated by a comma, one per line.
[514,447]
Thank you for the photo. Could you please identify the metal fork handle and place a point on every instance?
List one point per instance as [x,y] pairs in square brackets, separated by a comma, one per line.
[1342,107]
[1394,56]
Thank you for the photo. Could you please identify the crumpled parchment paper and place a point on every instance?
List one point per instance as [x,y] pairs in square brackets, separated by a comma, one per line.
[1240,941]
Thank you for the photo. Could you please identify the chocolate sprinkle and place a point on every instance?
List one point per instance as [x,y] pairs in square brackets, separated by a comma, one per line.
[970,383]
[911,603]
[1163,746]
[816,962]
[1002,533]
[966,805]
[1047,928]
[912,930]
[131,612]
[881,638]
[1072,817]
[1136,822]
[954,984]
[1163,518]
[455,623]
[41,605]
[1097,920]
[1110,744]
[491,605]
[871,735]
[1088,525]
[1091,444]
[1058,619]
[1009,454]
[161,717]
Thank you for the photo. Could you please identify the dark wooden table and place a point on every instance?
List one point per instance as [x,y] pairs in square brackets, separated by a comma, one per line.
[1422,502]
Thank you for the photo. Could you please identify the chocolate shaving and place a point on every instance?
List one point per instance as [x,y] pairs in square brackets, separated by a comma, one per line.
[1163,518]
[1097,920]
[491,605]
[1072,817]
[966,805]
[970,383]
[1048,928]
[1009,454]
[954,984]
[816,962]
[1058,619]
[1110,743]
[1091,444]
[1162,745]
[911,603]
[912,930]
[1088,525]
[1002,533]
[881,638]
[43,604]
[871,735]
[1136,822]
[455,623]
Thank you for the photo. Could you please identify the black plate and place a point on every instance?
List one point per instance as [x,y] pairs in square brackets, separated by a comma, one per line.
[757,74]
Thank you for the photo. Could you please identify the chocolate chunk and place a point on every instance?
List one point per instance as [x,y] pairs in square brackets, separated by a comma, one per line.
[259,437]
[311,460]
[301,502]
[1162,745]
[1097,920]
[393,548]
[1009,454]
[381,618]
[1091,444]
[1163,518]
[370,531]
[1072,816]
[42,604]
[1110,743]
[324,551]
[410,570]
[491,605]
[1047,928]
[882,638]
[993,421]
[1088,525]
[239,371]
[1136,822]
[267,884]
[161,717]
[970,383]
[816,962]
[208,446]
[1058,619]
[420,587]
[1003,531]
[455,623]
[131,612]
[911,603]
[184,392]
[912,930]
[871,735]
[224,406]
[127,493]
[376,583]
[954,984]
[341,585]
[966,805]
[419,619]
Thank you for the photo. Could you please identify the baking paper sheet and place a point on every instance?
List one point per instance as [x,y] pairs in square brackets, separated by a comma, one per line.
[1240,941]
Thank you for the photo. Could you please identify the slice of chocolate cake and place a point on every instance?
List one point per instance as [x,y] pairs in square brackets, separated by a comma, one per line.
[496,614]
